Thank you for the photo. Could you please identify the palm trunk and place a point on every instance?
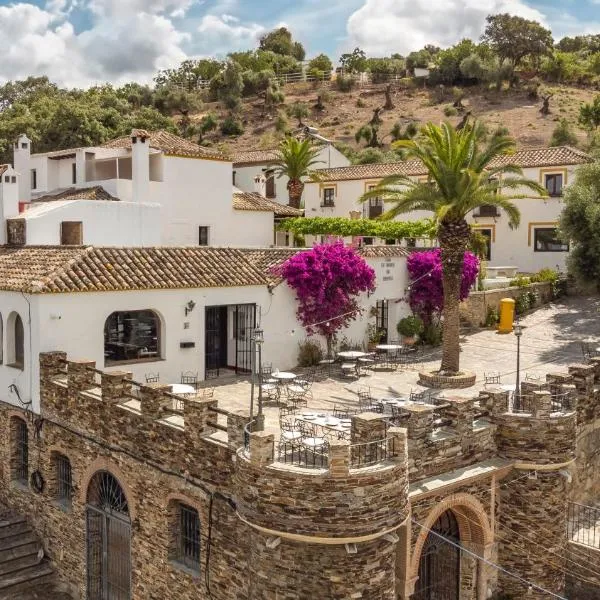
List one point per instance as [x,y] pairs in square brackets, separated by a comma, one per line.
[295,188]
[453,236]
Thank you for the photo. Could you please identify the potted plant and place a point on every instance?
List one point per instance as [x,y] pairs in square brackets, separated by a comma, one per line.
[374,335]
[409,328]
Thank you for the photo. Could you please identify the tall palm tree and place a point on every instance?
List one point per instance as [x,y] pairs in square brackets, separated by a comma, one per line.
[296,159]
[463,174]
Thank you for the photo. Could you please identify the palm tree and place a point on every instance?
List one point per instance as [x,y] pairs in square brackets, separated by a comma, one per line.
[295,161]
[462,176]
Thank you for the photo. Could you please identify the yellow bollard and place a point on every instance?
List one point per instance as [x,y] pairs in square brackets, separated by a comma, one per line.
[507,314]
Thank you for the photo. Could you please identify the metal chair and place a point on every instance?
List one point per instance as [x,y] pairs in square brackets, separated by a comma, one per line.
[208,392]
[366,402]
[423,397]
[266,372]
[271,391]
[190,378]
[492,378]
[289,431]
[152,377]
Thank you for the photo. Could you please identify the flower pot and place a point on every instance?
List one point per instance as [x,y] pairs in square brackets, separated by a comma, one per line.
[409,341]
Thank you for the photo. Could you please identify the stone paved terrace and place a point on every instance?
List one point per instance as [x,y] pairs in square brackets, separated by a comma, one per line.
[550,342]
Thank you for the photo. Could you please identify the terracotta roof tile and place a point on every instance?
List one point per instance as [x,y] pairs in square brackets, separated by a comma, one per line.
[55,269]
[254,157]
[168,143]
[91,193]
[527,157]
[254,201]
[383,251]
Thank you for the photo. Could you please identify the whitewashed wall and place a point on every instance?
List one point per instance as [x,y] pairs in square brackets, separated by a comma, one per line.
[105,223]
[508,248]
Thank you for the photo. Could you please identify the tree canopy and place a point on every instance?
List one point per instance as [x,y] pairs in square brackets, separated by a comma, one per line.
[580,223]
[280,41]
[515,38]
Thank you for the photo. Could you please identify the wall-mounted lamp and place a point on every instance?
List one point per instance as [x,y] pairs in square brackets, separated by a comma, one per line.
[189,307]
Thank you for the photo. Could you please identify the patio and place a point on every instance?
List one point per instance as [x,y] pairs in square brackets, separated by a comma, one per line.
[551,340]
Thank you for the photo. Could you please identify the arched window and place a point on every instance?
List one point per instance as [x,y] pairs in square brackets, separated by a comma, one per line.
[15,342]
[132,335]
[19,466]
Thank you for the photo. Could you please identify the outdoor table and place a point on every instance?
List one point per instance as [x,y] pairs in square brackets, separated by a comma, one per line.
[326,421]
[388,347]
[352,354]
[283,376]
[182,389]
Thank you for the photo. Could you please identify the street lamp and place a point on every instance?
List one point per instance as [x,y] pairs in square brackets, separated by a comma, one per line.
[256,340]
[518,330]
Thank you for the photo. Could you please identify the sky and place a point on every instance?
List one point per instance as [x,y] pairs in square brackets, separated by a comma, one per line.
[87,42]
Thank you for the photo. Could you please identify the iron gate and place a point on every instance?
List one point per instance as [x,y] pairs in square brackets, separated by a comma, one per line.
[244,323]
[382,320]
[108,540]
[215,351]
[439,566]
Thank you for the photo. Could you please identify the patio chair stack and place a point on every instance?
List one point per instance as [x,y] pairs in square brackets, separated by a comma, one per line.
[152,377]
[424,397]
[491,378]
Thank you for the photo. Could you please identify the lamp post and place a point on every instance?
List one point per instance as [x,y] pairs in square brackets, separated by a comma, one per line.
[258,341]
[518,333]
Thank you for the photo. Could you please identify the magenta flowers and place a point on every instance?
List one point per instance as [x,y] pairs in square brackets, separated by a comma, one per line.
[327,279]
[426,295]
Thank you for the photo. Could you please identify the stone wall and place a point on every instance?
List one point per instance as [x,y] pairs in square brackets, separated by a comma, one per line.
[473,311]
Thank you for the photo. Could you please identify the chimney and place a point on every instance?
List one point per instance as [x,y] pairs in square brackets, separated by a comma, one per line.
[80,174]
[9,198]
[22,164]
[260,185]
[140,165]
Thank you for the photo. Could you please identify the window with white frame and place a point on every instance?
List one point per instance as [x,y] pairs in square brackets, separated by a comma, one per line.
[553,182]
[328,196]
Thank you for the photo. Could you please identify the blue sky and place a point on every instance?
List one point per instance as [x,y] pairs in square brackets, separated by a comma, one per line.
[82,42]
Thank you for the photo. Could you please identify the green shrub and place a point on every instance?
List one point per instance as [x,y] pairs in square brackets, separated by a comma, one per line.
[559,288]
[492,317]
[522,303]
[309,353]
[532,298]
[231,126]
[410,326]
[345,83]
[450,111]
[550,275]
[520,281]
[432,334]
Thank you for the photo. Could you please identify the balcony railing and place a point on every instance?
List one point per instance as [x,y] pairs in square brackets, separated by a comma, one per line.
[583,525]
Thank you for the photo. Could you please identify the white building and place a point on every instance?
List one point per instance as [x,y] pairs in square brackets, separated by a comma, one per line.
[160,311]
[142,190]
[530,247]
[247,165]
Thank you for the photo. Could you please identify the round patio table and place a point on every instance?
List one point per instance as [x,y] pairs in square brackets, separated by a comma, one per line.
[352,354]
[387,347]
[182,388]
[283,375]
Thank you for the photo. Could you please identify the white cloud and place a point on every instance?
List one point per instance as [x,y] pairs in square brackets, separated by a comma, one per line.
[385,26]
[224,33]
[117,8]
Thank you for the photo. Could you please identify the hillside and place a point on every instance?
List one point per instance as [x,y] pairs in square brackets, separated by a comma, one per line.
[345,113]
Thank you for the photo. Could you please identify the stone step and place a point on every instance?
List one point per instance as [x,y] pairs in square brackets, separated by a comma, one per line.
[13,581]
[7,545]
[8,531]
[19,562]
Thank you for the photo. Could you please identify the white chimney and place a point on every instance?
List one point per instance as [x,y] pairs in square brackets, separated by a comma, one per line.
[140,165]
[260,185]
[9,197]
[22,164]
[80,175]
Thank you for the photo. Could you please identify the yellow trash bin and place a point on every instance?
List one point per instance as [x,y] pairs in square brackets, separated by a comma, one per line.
[507,314]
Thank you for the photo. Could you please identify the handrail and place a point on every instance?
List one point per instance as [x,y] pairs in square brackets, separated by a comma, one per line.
[369,453]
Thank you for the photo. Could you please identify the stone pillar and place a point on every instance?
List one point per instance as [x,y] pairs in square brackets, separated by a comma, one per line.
[495,400]
[542,405]
[115,384]
[152,399]
[583,379]
[339,458]
[236,421]
[81,378]
[367,427]
[262,448]
[460,411]
[420,423]
[51,366]
[398,444]
[197,416]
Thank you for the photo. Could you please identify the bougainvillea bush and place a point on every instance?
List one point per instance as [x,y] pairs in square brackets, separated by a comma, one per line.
[426,296]
[327,280]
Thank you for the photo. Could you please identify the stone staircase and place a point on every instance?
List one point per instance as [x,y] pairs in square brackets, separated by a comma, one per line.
[23,566]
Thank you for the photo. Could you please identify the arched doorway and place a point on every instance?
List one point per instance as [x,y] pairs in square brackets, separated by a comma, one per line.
[108,539]
[439,566]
